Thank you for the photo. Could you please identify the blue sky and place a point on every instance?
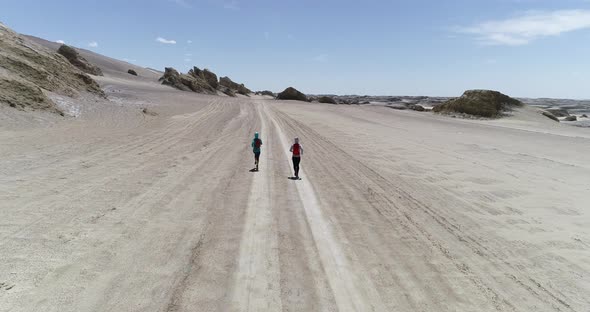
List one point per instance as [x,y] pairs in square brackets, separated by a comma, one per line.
[528,48]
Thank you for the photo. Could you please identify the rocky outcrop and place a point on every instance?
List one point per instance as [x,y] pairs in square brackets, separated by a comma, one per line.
[558,112]
[397,106]
[227,91]
[211,78]
[550,116]
[292,94]
[206,75]
[239,88]
[28,70]
[480,103]
[265,92]
[185,82]
[77,60]
[148,112]
[132,72]
[570,118]
[171,78]
[326,99]
[202,81]
[416,107]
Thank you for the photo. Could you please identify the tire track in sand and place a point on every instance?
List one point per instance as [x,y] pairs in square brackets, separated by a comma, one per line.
[352,290]
[257,284]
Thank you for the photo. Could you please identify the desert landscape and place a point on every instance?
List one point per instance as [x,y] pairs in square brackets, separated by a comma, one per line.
[125,188]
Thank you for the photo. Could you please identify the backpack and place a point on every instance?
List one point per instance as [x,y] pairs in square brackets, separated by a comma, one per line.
[296,149]
[257,143]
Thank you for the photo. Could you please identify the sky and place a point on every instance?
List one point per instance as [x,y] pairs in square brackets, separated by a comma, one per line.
[524,48]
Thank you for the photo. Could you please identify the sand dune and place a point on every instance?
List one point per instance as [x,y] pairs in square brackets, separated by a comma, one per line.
[117,210]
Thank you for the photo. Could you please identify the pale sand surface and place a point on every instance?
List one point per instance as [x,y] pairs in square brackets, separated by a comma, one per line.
[397,211]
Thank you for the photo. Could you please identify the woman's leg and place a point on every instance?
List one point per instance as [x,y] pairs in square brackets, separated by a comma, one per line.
[296,161]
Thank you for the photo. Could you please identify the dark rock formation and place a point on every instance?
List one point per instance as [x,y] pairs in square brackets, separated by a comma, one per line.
[211,78]
[239,88]
[206,75]
[558,112]
[481,103]
[184,82]
[227,91]
[292,94]
[326,99]
[416,107]
[171,77]
[132,72]
[202,81]
[149,112]
[571,118]
[397,106]
[265,92]
[77,60]
[550,116]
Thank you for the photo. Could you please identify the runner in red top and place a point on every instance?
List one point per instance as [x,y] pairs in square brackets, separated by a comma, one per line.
[297,151]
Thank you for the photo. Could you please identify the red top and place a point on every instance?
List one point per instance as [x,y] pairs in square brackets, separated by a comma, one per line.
[296,149]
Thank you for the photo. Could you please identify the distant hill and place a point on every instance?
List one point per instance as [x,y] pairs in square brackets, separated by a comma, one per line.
[107,64]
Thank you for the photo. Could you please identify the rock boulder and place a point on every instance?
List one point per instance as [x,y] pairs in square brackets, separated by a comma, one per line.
[77,60]
[550,116]
[326,99]
[571,118]
[480,103]
[292,94]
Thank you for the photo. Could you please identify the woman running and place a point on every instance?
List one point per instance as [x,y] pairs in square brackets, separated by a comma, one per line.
[297,151]
[256,144]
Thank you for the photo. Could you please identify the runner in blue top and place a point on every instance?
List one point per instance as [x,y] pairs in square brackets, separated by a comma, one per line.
[256,144]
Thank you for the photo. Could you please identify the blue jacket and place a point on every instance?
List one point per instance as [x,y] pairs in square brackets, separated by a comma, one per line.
[254,148]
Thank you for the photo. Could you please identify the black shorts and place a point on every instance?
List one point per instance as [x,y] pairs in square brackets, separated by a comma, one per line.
[256,155]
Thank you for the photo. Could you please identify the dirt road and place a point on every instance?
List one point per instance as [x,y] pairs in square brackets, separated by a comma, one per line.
[393,213]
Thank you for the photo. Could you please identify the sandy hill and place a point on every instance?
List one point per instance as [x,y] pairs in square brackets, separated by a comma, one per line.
[31,73]
[107,64]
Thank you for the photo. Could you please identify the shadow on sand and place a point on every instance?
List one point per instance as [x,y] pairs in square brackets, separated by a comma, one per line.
[294,178]
[253,170]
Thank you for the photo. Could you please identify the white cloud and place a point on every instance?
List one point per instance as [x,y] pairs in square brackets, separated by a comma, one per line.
[93,44]
[232,5]
[61,41]
[528,27]
[189,41]
[188,60]
[321,58]
[165,41]
[188,54]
